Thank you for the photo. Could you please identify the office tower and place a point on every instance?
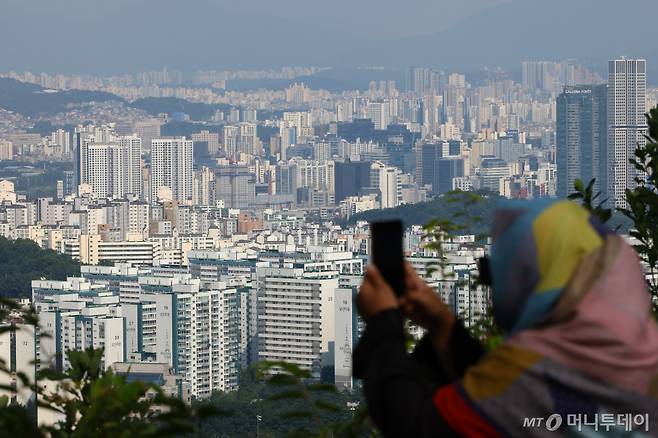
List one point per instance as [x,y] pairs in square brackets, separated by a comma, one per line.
[378,112]
[112,168]
[627,84]
[427,154]
[171,167]
[582,131]
[447,169]
[231,134]
[386,179]
[350,177]
[492,170]
[211,138]
[235,184]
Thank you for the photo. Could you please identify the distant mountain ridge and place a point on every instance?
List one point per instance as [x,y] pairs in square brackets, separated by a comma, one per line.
[30,99]
[504,35]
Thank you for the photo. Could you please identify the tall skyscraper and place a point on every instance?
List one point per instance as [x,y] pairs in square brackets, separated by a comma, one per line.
[427,155]
[446,170]
[350,177]
[171,166]
[582,131]
[627,84]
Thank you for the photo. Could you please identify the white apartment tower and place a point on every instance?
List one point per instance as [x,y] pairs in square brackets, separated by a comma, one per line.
[295,315]
[627,84]
[378,112]
[387,180]
[231,134]
[171,167]
[111,168]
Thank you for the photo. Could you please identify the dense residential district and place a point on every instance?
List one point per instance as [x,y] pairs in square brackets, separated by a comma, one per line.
[217,227]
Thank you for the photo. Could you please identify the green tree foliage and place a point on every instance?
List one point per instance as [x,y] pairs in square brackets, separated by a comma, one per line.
[277,399]
[464,217]
[643,204]
[23,261]
[441,209]
[99,403]
[588,199]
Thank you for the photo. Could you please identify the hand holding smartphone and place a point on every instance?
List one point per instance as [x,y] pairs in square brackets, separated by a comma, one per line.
[387,253]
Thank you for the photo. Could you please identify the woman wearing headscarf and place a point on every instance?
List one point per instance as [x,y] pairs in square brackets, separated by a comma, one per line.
[581,353]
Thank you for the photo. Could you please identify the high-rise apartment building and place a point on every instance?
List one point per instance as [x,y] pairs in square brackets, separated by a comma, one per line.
[627,89]
[248,141]
[235,185]
[171,167]
[62,139]
[582,131]
[112,168]
[378,112]
[231,134]
[296,314]
[301,121]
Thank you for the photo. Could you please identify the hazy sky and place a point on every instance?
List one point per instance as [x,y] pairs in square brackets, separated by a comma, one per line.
[126,36]
[373,19]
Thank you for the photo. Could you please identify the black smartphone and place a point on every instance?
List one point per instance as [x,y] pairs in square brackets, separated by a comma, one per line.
[387,253]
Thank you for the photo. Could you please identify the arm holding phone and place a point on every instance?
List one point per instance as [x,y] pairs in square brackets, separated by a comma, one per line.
[398,386]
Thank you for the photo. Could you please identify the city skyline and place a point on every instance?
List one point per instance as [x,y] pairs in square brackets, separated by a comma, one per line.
[218,219]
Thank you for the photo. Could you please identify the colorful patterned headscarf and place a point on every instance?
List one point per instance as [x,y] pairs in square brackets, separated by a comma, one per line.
[582,342]
[537,248]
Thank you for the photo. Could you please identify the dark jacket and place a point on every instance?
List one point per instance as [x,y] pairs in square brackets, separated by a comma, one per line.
[398,386]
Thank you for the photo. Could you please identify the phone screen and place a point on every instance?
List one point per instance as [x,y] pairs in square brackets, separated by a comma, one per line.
[387,253]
